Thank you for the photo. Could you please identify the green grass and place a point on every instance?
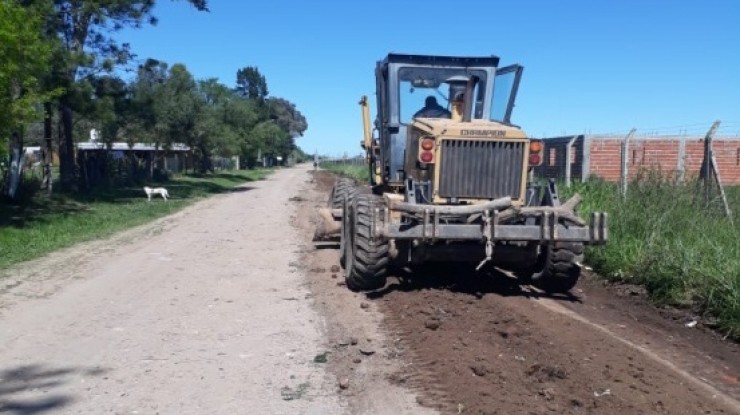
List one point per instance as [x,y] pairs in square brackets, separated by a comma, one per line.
[354,171]
[664,237]
[38,224]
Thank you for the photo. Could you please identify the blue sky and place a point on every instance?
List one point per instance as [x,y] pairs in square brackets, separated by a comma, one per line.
[590,66]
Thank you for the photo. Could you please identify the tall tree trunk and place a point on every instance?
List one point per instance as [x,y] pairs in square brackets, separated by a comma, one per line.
[48,152]
[66,147]
[156,158]
[132,167]
[149,166]
[16,164]
[84,173]
[205,161]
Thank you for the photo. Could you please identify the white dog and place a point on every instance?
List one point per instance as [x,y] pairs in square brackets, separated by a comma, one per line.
[156,191]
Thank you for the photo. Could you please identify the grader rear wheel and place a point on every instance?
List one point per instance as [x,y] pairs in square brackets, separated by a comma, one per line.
[341,198]
[344,187]
[344,235]
[366,257]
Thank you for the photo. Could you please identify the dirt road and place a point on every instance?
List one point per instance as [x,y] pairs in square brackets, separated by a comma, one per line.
[204,312]
[228,308]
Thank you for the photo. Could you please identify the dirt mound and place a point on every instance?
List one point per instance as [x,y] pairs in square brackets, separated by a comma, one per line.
[492,350]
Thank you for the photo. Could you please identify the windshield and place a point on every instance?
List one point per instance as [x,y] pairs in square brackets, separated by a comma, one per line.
[504,92]
[418,84]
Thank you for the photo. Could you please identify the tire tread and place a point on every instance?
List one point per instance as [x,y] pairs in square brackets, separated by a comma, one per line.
[370,262]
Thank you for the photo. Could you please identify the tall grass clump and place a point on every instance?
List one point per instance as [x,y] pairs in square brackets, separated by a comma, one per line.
[354,171]
[665,237]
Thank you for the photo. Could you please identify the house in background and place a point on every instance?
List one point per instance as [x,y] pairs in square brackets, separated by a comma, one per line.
[99,162]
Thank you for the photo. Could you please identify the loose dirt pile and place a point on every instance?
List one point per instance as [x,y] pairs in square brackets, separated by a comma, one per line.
[494,354]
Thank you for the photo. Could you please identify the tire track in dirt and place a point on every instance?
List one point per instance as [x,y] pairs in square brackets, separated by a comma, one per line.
[728,394]
[504,355]
[368,362]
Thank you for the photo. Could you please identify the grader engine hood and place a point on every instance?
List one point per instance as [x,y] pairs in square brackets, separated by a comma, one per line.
[474,129]
[468,162]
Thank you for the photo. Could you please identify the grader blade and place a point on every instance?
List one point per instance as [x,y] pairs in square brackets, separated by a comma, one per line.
[328,225]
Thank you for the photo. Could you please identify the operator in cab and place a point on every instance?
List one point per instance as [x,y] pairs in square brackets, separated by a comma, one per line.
[432,109]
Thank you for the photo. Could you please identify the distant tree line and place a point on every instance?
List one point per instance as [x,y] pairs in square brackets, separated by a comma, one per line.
[60,63]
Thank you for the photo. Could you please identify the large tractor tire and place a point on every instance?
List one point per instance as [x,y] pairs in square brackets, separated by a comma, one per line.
[366,257]
[558,267]
[342,194]
[344,232]
[344,187]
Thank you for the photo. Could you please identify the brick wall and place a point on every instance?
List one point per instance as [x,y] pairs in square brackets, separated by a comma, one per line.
[663,153]
[727,154]
[605,158]
[602,156]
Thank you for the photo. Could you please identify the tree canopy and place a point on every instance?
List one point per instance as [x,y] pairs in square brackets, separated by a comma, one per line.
[65,52]
[24,59]
[251,83]
[83,31]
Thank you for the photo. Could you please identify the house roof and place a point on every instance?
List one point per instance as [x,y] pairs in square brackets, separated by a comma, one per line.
[89,146]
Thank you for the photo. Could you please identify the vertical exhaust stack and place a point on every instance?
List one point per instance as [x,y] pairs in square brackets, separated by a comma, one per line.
[458,107]
[461,97]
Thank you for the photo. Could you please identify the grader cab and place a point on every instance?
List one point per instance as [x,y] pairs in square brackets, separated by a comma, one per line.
[450,180]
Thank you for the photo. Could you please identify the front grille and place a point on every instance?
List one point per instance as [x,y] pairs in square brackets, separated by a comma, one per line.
[481,169]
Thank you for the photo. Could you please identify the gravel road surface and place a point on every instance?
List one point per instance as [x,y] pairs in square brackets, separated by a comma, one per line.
[203,312]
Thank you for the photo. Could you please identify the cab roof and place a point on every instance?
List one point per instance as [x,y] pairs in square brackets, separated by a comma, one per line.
[433,60]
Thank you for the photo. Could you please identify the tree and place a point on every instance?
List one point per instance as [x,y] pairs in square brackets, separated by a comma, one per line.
[270,139]
[167,106]
[251,83]
[24,58]
[84,28]
[229,116]
[177,106]
[113,107]
[287,116]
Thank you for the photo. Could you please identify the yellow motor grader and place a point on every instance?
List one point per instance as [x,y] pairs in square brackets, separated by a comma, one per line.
[451,182]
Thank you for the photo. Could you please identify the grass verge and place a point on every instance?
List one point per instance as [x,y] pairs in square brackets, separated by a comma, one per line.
[41,224]
[354,171]
[664,237]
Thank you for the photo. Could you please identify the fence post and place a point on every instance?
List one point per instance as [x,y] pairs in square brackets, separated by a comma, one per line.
[585,157]
[625,156]
[681,162]
[568,154]
[706,165]
[722,194]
